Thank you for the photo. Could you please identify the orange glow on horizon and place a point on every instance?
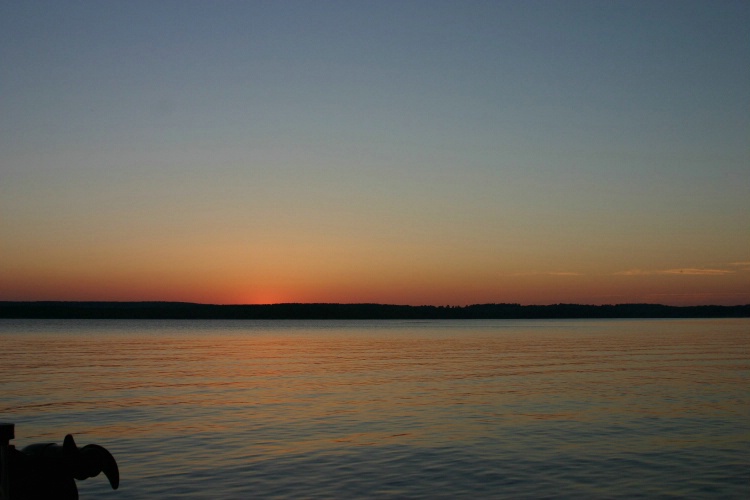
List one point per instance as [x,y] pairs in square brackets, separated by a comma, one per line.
[415,285]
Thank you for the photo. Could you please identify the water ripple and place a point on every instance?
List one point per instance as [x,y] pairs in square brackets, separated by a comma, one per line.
[480,409]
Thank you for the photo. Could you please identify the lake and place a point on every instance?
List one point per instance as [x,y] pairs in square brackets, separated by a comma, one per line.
[379,409]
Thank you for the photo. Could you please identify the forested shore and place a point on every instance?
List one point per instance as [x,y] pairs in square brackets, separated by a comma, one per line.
[184,310]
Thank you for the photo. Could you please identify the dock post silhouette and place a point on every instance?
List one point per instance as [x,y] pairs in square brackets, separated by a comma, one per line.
[7,432]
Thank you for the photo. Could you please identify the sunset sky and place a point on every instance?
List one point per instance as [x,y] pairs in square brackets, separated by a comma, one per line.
[409,152]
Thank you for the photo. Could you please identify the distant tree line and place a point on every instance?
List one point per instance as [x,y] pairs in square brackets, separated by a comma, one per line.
[184,310]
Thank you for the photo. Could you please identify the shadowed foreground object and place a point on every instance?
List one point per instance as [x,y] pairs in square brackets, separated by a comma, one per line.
[48,470]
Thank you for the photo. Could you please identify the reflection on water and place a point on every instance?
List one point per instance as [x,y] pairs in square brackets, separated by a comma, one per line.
[511,409]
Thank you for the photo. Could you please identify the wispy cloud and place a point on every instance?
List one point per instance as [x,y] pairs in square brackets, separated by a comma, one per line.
[693,271]
[701,295]
[683,271]
[741,266]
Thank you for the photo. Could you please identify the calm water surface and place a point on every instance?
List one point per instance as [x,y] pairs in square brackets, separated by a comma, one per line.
[347,409]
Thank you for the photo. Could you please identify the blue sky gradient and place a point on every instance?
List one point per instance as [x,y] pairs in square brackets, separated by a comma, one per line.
[411,152]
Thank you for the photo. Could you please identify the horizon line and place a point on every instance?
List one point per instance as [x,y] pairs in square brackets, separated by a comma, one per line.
[517,304]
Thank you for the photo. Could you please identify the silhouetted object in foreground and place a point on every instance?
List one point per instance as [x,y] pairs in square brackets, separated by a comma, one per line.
[48,470]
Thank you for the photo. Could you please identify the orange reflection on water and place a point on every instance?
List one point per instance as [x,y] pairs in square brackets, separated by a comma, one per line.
[303,388]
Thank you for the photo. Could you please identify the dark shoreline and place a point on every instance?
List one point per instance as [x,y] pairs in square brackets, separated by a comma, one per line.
[185,310]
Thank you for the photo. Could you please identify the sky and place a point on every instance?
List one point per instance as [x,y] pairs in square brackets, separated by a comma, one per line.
[403,152]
